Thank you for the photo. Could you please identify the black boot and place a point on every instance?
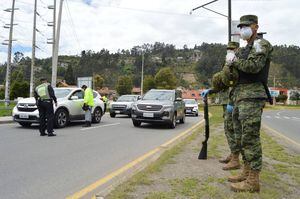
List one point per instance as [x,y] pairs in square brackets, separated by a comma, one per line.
[51,134]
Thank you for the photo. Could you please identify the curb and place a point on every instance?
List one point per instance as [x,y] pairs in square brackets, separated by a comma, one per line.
[6,121]
[105,185]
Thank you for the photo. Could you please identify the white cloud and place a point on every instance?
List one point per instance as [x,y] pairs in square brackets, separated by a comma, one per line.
[118,24]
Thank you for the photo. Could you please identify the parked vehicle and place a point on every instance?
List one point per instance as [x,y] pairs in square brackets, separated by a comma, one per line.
[69,108]
[123,105]
[191,107]
[159,106]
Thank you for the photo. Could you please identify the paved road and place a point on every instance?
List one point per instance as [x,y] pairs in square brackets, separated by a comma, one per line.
[286,122]
[55,167]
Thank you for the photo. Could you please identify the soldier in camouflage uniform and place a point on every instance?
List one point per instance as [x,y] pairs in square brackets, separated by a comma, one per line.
[249,97]
[232,160]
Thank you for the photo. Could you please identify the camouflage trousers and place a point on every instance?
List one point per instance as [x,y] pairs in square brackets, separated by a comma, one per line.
[247,122]
[234,146]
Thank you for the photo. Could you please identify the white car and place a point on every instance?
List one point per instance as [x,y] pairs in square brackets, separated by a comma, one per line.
[123,105]
[191,107]
[69,108]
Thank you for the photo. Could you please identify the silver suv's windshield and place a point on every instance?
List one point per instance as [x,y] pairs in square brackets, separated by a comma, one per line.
[159,95]
[190,101]
[127,98]
[61,93]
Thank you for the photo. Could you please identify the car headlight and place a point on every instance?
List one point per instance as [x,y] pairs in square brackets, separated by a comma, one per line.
[195,108]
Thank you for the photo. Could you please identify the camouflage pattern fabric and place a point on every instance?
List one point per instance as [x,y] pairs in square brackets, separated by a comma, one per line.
[224,96]
[249,102]
[229,132]
[230,76]
[247,116]
[256,61]
[217,84]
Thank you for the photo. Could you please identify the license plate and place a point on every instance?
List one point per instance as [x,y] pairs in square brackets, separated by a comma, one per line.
[148,115]
[188,111]
[24,116]
[117,111]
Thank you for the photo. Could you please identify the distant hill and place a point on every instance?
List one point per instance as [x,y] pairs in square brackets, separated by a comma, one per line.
[193,67]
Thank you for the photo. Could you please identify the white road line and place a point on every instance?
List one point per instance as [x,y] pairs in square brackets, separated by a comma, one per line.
[296,118]
[285,117]
[268,116]
[95,127]
[277,117]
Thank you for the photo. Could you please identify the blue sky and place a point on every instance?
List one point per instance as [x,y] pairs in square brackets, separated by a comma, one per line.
[87,2]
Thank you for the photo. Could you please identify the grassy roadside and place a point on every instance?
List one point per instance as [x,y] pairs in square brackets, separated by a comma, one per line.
[6,111]
[280,177]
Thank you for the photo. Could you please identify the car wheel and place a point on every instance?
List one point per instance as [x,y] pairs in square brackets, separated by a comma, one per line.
[97,115]
[196,114]
[182,120]
[136,123]
[25,124]
[112,115]
[173,122]
[61,118]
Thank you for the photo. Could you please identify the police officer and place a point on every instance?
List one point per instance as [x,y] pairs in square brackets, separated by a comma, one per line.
[222,82]
[88,104]
[105,100]
[249,97]
[44,96]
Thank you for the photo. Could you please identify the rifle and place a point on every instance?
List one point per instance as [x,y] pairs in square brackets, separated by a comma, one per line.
[203,152]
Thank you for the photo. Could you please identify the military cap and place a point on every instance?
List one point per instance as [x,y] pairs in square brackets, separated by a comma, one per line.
[233,45]
[217,84]
[229,76]
[248,20]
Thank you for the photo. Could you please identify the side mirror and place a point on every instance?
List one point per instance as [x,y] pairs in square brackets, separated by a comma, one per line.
[74,98]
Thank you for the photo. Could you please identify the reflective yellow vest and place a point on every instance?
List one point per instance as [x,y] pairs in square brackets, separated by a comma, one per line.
[88,97]
[42,91]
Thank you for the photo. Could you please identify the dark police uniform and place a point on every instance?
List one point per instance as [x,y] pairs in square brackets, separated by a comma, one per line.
[44,95]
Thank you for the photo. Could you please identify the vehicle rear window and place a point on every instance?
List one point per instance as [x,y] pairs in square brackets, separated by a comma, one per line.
[159,95]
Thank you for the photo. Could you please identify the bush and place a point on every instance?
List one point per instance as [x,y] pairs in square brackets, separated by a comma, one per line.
[281,98]
[2,93]
[19,89]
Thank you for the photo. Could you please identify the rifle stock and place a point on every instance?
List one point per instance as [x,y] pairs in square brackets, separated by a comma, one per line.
[203,153]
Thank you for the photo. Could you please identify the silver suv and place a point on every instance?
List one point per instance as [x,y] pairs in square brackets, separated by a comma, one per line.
[123,105]
[69,108]
[159,106]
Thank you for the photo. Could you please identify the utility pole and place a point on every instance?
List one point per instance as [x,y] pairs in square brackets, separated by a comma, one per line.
[142,76]
[33,49]
[56,46]
[229,20]
[228,17]
[8,68]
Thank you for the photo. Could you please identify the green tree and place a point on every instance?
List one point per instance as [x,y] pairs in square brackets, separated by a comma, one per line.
[2,93]
[69,75]
[98,81]
[149,83]
[124,85]
[19,89]
[165,79]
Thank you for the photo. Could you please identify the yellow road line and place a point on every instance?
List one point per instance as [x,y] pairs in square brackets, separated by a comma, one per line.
[281,135]
[110,176]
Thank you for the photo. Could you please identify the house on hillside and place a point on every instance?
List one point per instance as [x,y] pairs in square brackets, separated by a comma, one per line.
[191,94]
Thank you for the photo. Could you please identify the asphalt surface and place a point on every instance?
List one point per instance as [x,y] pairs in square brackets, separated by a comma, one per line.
[287,122]
[32,166]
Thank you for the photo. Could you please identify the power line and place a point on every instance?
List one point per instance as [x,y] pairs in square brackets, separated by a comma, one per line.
[72,25]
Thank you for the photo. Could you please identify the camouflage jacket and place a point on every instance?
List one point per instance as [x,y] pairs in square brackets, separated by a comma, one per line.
[224,96]
[257,59]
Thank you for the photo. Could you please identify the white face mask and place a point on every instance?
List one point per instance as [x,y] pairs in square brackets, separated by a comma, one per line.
[246,32]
